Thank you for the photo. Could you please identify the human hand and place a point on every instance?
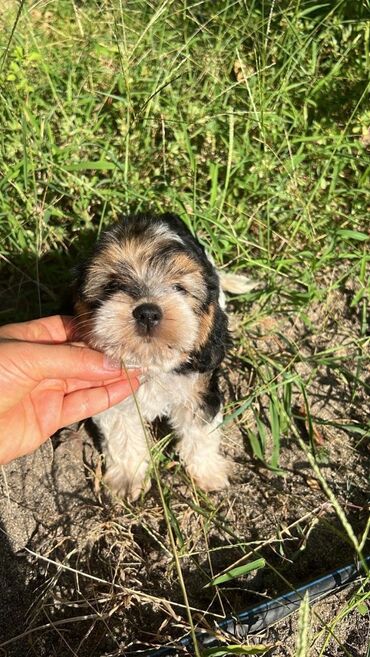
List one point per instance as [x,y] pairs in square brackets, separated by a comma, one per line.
[47,382]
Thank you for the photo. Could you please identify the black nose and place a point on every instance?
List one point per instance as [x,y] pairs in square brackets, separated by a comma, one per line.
[147,316]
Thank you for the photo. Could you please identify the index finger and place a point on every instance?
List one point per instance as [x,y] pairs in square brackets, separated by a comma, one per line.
[55,329]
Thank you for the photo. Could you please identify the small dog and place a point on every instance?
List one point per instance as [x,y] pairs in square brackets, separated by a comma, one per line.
[150,297]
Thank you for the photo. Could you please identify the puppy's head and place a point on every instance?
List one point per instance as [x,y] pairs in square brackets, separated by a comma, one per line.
[148,296]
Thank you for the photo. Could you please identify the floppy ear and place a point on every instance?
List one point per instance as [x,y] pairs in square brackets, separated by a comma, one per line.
[79,276]
[211,354]
[70,293]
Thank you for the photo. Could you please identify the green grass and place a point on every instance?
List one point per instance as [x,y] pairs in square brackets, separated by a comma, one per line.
[249,119]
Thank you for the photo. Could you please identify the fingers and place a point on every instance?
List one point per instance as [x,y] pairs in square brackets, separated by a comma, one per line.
[64,361]
[81,404]
[54,329]
[71,385]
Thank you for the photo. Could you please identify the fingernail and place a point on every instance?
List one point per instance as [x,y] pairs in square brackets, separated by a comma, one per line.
[111,365]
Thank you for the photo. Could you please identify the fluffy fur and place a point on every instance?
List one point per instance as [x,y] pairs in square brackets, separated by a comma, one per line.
[150,297]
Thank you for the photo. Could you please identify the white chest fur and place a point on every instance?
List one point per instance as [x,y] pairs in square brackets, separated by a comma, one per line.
[126,442]
[158,395]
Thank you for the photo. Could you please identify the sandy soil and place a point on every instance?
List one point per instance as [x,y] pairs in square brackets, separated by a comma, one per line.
[82,576]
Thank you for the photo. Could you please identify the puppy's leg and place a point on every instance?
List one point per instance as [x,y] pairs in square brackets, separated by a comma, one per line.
[197,426]
[126,451]
[199,448]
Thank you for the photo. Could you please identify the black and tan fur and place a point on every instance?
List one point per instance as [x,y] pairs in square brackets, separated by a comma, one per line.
[149,297]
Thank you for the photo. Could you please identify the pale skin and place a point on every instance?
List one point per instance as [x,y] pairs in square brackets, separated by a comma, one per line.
[47,381]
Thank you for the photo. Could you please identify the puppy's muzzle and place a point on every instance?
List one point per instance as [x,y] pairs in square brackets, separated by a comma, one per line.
[147,317]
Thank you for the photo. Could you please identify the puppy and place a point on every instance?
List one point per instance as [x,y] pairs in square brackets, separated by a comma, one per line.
[149,297]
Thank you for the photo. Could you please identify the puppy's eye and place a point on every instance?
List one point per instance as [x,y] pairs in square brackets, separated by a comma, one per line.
[114,286]
[179,288]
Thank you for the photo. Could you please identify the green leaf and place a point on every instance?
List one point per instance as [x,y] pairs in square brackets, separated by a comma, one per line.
[352,235]
[276,432]
[302,647]
[237,572]
[101,165]
[243,407]
[256,445]
[362,608]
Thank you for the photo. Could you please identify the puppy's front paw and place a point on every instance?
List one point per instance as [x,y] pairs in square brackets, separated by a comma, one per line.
[211,474]
[127,485]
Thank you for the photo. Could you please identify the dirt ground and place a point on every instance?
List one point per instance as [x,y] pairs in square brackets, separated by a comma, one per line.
[84,577]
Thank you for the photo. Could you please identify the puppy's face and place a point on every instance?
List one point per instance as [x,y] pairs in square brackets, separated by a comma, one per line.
[148,295]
